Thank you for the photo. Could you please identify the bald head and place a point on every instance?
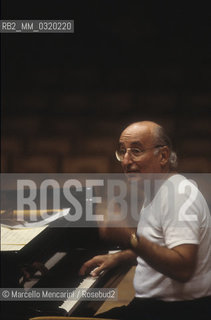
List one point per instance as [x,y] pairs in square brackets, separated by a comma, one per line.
[148,135]
[146,130]
[148,124]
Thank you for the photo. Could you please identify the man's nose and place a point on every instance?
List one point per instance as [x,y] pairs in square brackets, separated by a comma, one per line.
[127,158]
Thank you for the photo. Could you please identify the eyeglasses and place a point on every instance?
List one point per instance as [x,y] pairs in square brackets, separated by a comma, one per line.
[135,153]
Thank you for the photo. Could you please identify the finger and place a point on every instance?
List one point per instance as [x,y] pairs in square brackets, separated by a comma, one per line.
[26,275]
[42,268]
[38,266]
[97,271]
[87,267]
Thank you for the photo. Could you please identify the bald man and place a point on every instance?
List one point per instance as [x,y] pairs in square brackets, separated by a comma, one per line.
[173,256]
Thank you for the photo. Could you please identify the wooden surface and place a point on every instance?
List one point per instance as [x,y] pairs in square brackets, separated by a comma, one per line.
[125,293]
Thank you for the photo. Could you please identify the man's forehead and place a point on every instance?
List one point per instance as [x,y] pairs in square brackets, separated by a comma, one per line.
[136,134]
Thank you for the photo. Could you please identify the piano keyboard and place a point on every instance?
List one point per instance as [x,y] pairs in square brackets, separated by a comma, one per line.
[88,282]
[70,305]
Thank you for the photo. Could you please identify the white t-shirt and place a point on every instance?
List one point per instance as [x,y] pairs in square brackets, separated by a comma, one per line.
[177,215]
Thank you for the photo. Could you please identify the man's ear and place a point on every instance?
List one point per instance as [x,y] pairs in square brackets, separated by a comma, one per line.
[164,155]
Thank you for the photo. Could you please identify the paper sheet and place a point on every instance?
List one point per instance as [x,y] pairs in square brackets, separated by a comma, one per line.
[16,239]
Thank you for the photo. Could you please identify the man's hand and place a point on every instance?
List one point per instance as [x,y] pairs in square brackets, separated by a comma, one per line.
[29,271]
[98,264]
[101,263]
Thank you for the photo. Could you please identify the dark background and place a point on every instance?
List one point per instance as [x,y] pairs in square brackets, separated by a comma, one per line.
[66,97]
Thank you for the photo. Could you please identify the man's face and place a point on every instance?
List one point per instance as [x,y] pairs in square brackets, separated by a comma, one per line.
[140,137]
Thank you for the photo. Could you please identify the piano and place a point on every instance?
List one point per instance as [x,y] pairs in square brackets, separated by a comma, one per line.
[62,251]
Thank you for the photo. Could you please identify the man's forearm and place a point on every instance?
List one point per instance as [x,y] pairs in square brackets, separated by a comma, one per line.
[126,257]
[177,263]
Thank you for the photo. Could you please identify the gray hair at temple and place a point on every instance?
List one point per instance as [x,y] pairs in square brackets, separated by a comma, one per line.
[161,138]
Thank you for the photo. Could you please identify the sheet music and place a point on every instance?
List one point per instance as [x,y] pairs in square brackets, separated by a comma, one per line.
[16,239]
[53,216]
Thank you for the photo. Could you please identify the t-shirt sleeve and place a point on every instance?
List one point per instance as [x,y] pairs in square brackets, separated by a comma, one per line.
[181,214]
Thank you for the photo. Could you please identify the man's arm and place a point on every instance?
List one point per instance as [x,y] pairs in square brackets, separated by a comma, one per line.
[177,263]
[108,261]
